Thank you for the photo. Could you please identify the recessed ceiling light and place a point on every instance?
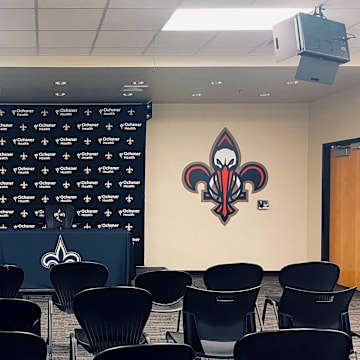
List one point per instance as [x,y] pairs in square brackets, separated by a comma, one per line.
[60,94]
[128,94]
[60,83]
[216,82]
[264,94]
[137,82]
[196,94]
[292,82]
[229,19]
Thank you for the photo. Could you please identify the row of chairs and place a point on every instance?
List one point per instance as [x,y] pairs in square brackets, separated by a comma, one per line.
[208,316]
[297,344]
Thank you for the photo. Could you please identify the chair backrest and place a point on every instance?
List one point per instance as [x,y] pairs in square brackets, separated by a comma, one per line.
[70,278]
[112,316]
[11,278]
[59,215]
[165,286]
[148,351]
[313,309]
[19,315]
[237,276]
[294,344]
[16,345]
[217,315]
[313,275]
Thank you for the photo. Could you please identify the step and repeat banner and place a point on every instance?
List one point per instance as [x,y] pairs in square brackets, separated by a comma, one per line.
[90,156]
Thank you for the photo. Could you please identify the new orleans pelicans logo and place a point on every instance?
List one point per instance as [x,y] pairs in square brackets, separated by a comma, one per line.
[225,178]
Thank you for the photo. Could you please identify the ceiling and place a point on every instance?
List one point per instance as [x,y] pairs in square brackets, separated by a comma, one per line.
[100,45]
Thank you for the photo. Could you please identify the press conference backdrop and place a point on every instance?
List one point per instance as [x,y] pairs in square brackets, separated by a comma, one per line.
[90,156]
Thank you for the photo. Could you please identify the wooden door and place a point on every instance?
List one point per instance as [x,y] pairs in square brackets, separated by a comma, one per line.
[345,216]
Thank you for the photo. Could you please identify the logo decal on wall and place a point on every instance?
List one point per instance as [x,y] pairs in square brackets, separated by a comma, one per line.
[225,178]
[61,255]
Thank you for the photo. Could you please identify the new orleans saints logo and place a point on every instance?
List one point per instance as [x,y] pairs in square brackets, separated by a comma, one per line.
[225,178]
[59,215]
[60,255]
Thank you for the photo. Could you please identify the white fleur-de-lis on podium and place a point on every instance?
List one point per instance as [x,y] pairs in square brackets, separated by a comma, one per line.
[60,255]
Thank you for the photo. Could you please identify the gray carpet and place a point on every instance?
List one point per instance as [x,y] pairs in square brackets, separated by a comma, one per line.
[158,324]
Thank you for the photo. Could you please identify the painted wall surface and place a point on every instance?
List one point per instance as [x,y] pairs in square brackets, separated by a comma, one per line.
[331,119]
[181,231]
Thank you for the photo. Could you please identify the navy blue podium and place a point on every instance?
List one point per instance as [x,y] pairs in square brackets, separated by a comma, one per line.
[36,251]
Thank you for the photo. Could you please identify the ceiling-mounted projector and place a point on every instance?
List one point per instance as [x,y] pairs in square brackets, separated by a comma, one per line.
[321,43]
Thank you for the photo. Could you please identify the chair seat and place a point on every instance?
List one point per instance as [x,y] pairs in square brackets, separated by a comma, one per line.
[174,307]
[57,303]
[212,349]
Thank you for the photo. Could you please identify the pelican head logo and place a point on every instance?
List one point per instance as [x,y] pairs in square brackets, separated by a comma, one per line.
[225,178]
[60,255]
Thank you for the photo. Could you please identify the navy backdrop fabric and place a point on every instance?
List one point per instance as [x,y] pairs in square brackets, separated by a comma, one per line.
[90,156]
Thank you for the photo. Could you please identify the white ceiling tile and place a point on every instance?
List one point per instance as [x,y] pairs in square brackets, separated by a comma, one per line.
[19,4]
[69,19]
[135,19]
[267,50]
[245,39]
[17,39]
[17,51]
[223,51]
[144,4]
[342,4]
[124,38]
[17,19]
[170,51]
[355,50]
[64,51]
[349,17]
[288,3]
[197,4]
[118,51]
[66,38]
[183,38]
[61,4]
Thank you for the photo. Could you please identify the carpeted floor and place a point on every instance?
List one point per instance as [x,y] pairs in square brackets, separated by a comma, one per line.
[158,324]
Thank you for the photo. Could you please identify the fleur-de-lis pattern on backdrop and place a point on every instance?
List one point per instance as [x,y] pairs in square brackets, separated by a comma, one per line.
[225,178]
[88,156]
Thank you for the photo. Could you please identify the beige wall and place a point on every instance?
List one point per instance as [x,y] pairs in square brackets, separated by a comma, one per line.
[181,231]
[331,119]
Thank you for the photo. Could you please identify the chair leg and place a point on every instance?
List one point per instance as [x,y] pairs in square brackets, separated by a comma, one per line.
[264,310]
[259,317]
[49,338]
[178,322]
[73,347]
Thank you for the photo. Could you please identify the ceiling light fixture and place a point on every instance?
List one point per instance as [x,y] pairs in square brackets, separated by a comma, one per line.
[196,94]
[264,94]
[60,94]
[127,94]
[216,82]
[229,19]
[138,82]
[60,83]
[292,82]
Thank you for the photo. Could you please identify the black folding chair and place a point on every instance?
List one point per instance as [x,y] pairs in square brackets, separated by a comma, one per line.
[110,317]
[313,309]
[148,352]
[214,320]
[16,345]
[68,279]
[236,276]
[167,289]
[294,344]
[11,278]
[313,276]
[19,315]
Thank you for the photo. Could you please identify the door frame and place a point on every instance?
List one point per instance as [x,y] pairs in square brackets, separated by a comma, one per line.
[325,199]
